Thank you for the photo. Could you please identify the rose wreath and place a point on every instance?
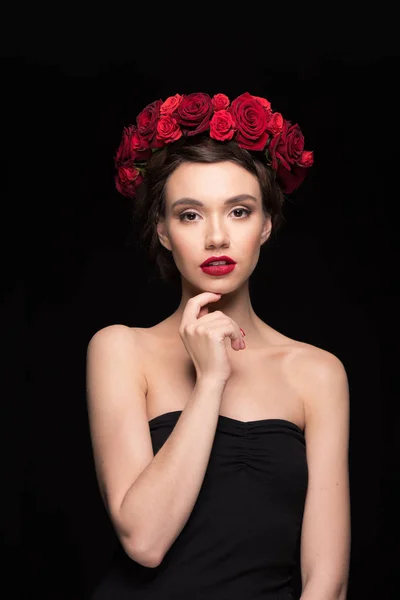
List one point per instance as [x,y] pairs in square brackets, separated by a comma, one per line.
[248,120]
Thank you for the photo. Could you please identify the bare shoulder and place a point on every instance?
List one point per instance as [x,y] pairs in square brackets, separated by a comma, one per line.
[115,343]
[309,359]
[321,377]
[113,334]
[302,357]
[134,342]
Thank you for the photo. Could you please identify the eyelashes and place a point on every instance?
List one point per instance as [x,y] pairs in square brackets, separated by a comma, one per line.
[247,211]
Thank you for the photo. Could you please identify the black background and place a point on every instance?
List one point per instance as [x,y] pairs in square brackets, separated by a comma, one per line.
[71,82]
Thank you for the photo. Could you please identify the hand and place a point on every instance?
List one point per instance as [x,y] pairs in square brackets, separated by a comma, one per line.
[203,335]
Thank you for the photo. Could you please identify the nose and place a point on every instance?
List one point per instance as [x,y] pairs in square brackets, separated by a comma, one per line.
[216,234]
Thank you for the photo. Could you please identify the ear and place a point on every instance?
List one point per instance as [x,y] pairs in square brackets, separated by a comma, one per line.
[163,234]
[266,230]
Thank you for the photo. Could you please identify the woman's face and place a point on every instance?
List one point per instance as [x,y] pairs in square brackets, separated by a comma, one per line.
[211,210]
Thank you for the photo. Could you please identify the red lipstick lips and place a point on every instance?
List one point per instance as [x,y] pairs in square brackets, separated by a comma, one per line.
[218,270]
[218,258]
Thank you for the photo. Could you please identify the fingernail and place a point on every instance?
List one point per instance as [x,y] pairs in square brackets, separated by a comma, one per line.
[243,333]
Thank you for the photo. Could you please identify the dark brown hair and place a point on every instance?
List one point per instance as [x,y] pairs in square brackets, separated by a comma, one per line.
[149,203]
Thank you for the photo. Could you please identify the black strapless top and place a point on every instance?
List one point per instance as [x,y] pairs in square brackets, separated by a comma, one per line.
[241,540]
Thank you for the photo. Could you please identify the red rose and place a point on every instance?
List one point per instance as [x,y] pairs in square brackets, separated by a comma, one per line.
[290,180]
[220,102]
[287,146]
[264,102]
[167,130]
[131,147]
[222,126]
[127,180]
[171,104]
[251,119]
[275,123]
[124,152]
[147,120]
[139,145]
[193,113]
[294,144]
[306,159]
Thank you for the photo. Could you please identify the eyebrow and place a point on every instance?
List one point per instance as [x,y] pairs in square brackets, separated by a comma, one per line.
[233,200]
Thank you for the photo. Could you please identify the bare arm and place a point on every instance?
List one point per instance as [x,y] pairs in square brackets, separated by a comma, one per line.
[160,501]
[149,498]
[325,543]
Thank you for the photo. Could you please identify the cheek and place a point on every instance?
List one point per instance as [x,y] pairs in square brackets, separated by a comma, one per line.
[182,240]
[184,247]
[249,240]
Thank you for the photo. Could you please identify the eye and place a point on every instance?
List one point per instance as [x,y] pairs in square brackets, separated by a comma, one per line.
[235,210]
[245,210]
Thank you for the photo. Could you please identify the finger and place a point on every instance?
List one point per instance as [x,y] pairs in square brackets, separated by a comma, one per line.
[203,311]
[195,304]
[237,340]
[232,336]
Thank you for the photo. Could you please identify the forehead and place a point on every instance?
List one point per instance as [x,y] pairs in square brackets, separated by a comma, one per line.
[211,180]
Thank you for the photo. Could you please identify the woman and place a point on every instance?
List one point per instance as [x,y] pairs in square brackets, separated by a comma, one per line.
[220,444]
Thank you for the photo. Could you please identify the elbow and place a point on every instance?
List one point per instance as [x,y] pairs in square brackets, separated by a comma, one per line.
[142,555]
[134,547]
